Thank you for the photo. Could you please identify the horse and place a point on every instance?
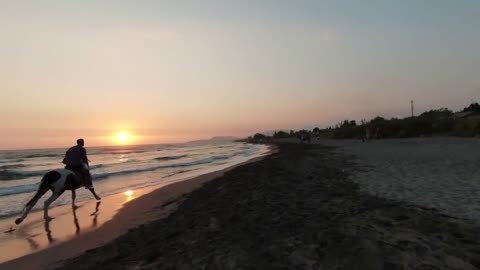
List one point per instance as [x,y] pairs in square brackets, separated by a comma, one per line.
[58,181]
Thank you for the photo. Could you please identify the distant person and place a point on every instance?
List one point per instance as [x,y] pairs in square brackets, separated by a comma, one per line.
[378,134]
[367,133]
[76,160]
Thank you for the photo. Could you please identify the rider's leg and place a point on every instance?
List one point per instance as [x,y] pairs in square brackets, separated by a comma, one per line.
[87,179]
[92,190]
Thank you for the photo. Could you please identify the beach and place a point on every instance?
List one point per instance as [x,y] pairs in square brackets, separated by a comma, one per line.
[305,207]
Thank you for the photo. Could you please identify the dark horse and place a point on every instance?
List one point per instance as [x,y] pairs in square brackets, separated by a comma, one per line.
[57,181]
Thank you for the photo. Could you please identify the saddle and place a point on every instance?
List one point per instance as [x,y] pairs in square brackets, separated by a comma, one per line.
[79,176]
[82,173]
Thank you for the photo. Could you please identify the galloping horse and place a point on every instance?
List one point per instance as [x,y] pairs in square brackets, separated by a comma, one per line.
[57,181]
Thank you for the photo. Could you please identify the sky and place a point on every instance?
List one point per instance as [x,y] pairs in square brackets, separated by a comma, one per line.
[174,71]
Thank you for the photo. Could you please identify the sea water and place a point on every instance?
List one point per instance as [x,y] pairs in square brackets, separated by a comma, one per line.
[116,169]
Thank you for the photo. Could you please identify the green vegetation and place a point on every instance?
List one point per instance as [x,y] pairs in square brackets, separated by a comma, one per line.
[474,107]
[440,122]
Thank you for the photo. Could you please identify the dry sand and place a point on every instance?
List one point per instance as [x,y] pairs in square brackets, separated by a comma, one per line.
[440,173]
[296,209]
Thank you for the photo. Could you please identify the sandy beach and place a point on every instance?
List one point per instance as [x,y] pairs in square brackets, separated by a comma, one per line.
[296,209]
[299,208]
[441,173]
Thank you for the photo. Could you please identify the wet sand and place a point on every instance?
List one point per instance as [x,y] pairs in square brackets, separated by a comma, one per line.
[296,209]
[34,234]
[36,244]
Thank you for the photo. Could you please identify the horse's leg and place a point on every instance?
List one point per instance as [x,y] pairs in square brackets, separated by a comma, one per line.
[95,194]
[49,201]
[45,184]
[25,211]
[74,195]
[41,191]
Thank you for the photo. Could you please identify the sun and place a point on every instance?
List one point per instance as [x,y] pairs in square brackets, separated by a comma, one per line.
[123,138]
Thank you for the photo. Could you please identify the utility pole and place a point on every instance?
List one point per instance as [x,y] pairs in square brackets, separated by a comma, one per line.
[412,108]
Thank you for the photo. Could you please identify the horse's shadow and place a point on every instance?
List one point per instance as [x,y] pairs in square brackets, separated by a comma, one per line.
[49,234]
[95,214]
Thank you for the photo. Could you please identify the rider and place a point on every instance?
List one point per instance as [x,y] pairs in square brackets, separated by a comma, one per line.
[76,160]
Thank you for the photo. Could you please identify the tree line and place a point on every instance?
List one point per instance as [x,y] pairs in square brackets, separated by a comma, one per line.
[438,122]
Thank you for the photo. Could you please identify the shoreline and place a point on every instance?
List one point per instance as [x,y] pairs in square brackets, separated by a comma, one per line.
[150,203]
[295,209]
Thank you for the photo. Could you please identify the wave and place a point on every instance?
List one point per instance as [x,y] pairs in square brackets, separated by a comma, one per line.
[10,160]
[170,157]
[33,187]
[41,155]
[154,168]
[120,148]
[183,168]
[18,189]
[179,172]
[8,172]
[12,166]
[15,175]
[122,152]
[6,175]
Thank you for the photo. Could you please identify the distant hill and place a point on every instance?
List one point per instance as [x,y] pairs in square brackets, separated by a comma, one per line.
[217,139]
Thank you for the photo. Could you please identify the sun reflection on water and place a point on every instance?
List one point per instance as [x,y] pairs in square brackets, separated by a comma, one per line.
[129,194]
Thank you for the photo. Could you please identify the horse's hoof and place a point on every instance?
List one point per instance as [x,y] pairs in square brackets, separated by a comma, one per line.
[98,198]
[18,220]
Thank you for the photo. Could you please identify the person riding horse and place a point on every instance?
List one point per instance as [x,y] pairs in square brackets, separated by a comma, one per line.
[75,175]
[76,160]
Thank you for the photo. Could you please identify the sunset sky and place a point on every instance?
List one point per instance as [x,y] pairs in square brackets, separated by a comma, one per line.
[173,71]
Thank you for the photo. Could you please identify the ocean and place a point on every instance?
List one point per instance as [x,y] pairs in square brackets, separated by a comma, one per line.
[116,169]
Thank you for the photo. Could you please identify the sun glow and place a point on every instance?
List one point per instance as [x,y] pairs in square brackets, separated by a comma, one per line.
[123,138]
